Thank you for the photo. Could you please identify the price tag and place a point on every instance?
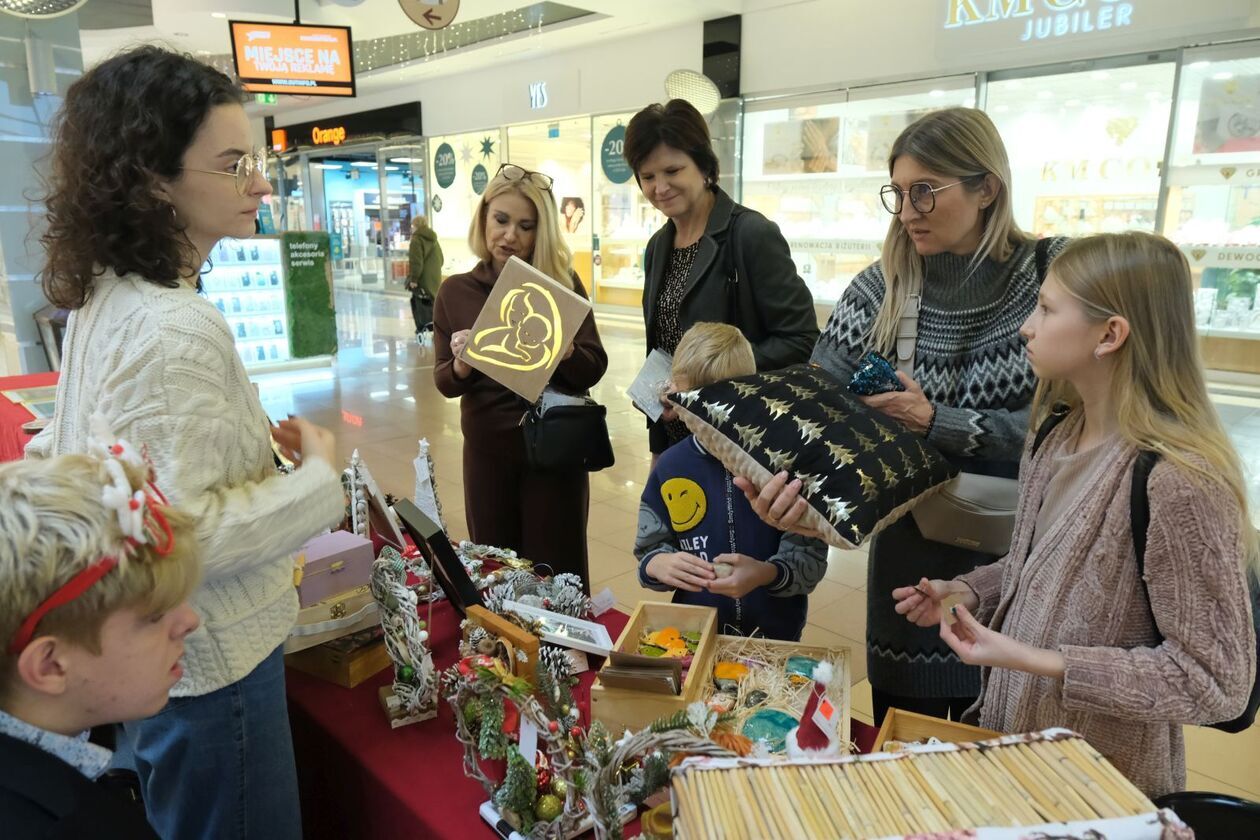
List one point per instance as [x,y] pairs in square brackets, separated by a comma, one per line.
[603,601]
[827,716]
[529,740]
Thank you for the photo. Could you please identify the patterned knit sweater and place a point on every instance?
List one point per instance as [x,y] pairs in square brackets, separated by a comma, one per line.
[161,366]
[970,362]
[1143,656]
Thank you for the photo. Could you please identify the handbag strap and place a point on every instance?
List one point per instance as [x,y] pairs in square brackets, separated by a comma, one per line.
[908,334]
[731,272]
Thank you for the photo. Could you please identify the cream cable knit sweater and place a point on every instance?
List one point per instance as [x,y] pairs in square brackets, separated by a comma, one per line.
[161,366]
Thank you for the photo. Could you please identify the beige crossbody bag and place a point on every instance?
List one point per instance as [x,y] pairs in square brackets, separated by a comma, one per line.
[972,511]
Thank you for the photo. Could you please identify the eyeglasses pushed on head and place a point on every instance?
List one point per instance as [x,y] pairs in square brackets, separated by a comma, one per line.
[512,172]
[243,171]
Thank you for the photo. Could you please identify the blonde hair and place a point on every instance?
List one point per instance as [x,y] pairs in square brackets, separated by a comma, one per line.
[551,255]
[958,143]
[53,525]
[418,223]
[710,352]
[1162,402]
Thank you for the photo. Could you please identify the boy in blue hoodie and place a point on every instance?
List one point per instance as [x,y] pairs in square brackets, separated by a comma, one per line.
[695,524]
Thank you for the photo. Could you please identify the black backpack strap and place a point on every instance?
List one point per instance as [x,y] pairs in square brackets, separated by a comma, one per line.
[1041,253]
[1140,505]
[1054,418]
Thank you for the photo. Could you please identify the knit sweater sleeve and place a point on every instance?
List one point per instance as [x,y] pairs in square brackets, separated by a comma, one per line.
[986,582]
[583,370]
[844,339]
[1203,670]
[801,563]
[654,535]
[454,309]
[170,395]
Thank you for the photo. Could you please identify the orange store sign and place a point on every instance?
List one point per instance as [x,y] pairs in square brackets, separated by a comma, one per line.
[325,136]
[292,58]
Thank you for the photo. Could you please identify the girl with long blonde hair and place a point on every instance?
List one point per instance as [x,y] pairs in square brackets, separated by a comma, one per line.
[542,515]
[957,269]
[1066,629]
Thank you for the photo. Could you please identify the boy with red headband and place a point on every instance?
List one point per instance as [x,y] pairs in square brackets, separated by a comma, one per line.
[95,572]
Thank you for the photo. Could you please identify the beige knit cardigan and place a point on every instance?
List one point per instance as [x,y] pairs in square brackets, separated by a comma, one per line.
[1078,592]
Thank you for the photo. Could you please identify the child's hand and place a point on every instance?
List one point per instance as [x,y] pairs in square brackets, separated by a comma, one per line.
[976,644]
[746,575]
[668,414]
[921,603]
[681,571]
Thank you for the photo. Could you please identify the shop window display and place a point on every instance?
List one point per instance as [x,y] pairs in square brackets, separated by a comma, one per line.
[625,219]
[1213,202]
[562,149]
[460,166]
[402,200]
[814,165]
[1085,147]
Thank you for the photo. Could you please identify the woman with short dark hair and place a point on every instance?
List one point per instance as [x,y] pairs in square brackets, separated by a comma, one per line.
[713,260]
[153,163]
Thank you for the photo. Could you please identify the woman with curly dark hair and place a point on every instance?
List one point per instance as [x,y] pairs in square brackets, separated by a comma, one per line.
[153,163]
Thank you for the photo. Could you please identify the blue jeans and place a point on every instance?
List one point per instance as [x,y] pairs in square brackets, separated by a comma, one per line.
[220,766]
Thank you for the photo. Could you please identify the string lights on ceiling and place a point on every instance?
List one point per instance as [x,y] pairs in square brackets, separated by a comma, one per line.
[422,45]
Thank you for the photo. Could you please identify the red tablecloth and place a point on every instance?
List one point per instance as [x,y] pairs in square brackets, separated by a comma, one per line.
[12,416]
[359,778]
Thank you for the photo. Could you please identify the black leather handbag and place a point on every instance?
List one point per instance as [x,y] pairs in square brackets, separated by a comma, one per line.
[566,433]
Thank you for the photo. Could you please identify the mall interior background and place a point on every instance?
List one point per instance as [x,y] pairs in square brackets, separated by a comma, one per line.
[1149,122]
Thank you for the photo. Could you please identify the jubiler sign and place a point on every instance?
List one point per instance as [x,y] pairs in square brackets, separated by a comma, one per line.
[1042,19]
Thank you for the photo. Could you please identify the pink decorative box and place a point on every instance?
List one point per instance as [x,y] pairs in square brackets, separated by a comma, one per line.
[331,564]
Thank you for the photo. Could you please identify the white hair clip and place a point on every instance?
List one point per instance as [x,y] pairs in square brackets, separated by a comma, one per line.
[132,507]
[104,444]
[129,505]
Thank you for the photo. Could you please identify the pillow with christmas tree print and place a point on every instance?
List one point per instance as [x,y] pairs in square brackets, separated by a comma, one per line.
[860,471]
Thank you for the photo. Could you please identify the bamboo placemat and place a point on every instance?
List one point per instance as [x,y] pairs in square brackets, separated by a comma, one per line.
[1017,780]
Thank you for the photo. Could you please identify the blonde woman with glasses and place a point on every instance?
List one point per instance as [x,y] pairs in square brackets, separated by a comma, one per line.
[955,256]
[1074,628]
[542,515]
[152,164]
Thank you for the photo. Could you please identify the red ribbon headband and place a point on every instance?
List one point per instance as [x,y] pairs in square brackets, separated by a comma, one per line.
[66,593]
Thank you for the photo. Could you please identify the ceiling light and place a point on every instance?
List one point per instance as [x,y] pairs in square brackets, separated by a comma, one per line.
[366,164]
[937,92]
[326,165]
[1100,75]
[1222,77]
[219,15]
[1199,65]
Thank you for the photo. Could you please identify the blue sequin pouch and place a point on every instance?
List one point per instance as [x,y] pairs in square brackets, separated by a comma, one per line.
[874,375]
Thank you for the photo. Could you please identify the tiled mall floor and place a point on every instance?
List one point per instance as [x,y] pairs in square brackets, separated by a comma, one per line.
[380,399]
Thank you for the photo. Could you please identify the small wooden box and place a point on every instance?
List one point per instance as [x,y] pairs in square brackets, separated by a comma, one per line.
[620,709]
[331,564]
[840,689]
[514,639]
[911,726]
[346,668]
